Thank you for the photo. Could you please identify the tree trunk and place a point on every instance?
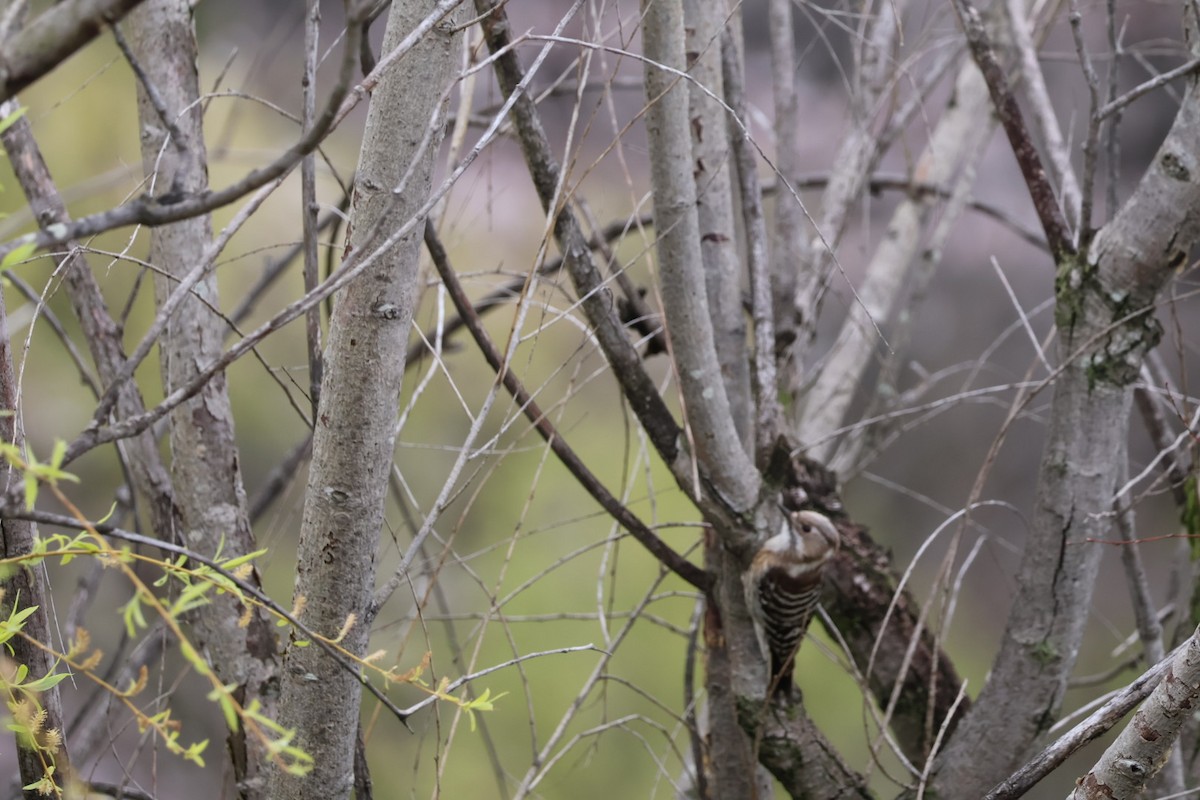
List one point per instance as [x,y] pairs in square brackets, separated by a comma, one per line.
[43,755]
[204,456]
[355,429]
[1104,312]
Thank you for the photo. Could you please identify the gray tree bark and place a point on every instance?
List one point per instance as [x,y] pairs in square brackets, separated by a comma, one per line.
[730,763]
[1104,312]
[53,37]
[354,431]
[706,408]
[1144,746]
[45,756]
[204,456]
[719,247]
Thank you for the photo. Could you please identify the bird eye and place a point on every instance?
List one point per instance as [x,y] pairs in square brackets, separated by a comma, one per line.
[806,528]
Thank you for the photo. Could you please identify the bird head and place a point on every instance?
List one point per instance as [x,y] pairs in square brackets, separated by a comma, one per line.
[806,540]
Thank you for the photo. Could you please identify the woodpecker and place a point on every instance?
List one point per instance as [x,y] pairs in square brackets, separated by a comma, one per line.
[783,585]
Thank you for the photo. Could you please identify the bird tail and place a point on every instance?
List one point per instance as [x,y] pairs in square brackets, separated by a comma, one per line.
[781,684]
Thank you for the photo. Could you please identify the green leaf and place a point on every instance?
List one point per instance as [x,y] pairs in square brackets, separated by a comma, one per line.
[8,121]
[31,492]
[111,510]
[132,613]
[18,254]
[47,681]
[223,697]
[234,563]
[189,653]
[58,453]
[193,753]
[15,622]
[191,598]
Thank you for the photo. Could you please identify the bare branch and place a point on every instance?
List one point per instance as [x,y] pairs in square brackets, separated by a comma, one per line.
[957,142]
[857,156]
[1091,142]
[1142,748]
[513,288]
[1040,190]
[25,589]
[1096,725]
[595,297]
[308,201]
[711,131]
[1131,258]
[617,510]
[275,268]
[768,413]
[704,398]
[163,210]
[43,44]
[45,312]
[1142,89]
[1045,120]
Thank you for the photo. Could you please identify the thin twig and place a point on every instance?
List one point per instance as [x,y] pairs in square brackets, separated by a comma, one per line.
[44,311]
[455,684]
[1177,468]
[1022,316]
[438,590]
[1113,106]
[181,293]
[513,288]
[251,590]
[342,99]
[1092,141]
[1112,143]
[698,773]
[308,202]
[275,268]
[658,548]
[595,298]
[279,477]
[88,733]
[1040,190]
